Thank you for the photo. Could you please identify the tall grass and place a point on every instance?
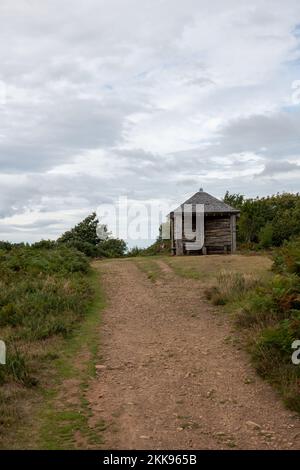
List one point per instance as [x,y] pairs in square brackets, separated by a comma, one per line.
[43,294]
[230,286]
[269,312]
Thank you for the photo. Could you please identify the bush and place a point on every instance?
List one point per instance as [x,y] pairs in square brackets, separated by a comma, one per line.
[31,260]
[43,292]
[271,355]
[267,221]
[111,248]
[83,237]
[266,236]
[85,231]
[159,247]
[287,259]
[84,247]
[135,251]
[269,302]
[47,244]
[270,314]
[6,246]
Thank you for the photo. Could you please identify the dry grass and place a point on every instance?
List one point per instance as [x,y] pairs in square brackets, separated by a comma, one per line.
[207,268]
[231,286]
[148,266]
[228,278]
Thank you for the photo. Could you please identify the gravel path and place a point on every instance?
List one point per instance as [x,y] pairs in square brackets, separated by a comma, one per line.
[171,379]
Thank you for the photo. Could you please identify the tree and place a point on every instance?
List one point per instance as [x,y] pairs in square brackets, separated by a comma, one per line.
[234,200]
[112,248]
[266,235]
[93,239]
[85,231]
[268,221]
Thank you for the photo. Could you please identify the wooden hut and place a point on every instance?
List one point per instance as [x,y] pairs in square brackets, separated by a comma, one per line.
[219,220]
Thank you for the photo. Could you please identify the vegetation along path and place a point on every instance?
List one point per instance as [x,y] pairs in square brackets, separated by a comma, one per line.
[168,377]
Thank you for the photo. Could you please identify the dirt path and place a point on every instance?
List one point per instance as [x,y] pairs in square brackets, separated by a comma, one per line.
[172,380]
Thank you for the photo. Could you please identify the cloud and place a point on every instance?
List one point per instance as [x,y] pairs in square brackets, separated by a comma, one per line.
[275,168]
[276,135]
[101,99]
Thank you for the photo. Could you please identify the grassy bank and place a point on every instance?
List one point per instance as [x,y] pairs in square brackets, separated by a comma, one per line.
[206,268]
[49,309]
[64,424]
[262,297]
[266,310]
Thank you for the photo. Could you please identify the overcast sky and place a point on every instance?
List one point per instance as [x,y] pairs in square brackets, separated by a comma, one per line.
[146,99]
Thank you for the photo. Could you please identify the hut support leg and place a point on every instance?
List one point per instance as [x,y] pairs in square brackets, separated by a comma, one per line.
[233,233]
[179,247]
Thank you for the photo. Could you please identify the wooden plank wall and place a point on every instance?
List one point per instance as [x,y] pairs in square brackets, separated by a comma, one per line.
[218,232]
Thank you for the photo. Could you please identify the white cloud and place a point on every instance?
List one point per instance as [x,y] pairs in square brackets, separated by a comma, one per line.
[149,99]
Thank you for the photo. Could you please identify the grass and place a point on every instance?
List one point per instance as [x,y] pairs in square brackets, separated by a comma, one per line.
[231,287]
[49,312]
[149,266]
[266,311]
[273,362]
[59,424]
[263,305]
[206,268]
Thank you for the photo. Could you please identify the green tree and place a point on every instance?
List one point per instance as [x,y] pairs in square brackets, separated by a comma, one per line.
[234,200]
[267,221]
[112,248]
[84,237]
[85,231]
[266,235]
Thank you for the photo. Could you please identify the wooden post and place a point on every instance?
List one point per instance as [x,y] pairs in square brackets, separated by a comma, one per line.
[233,232]
[179,247]
[173,247]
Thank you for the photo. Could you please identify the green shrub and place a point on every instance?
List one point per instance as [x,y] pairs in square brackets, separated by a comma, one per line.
[159,247]
[84,238]
[84,247]
[270,302]
[6,246]
[271,355]
[287,258]
[31,260]
[270,313]
[267,221]
[48,244]
[111,248]
[135,251]
[85,231]
[282,335]
[265,236]
[257,308]
[43,293]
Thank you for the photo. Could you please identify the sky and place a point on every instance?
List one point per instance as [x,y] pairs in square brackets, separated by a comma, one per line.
[148,100]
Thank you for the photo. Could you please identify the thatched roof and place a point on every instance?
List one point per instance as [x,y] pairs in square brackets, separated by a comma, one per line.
[212,205]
